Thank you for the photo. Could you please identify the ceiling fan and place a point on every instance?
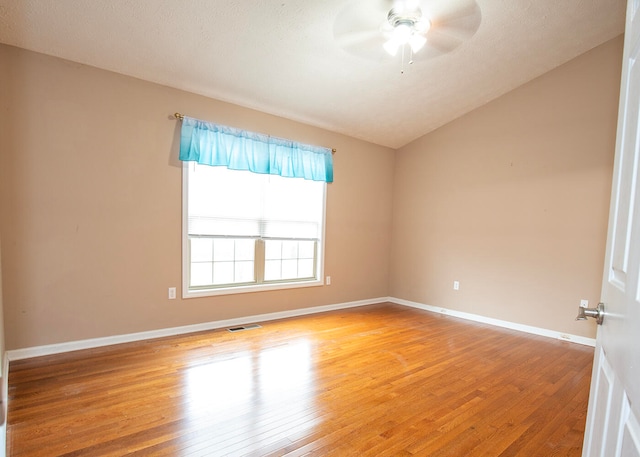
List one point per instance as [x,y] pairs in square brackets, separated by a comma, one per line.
[417,29]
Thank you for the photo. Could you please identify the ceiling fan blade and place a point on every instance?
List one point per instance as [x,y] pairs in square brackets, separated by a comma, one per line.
[452,23]
[368,44]
[443,43]
[362,15]
[461,26]
[357,28]
[438,43]
[449,10]
[359,38]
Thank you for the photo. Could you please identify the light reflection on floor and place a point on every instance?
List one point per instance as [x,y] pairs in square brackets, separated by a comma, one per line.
[220,384]
[252,391]
[285,368]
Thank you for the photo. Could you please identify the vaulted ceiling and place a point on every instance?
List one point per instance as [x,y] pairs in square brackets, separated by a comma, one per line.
[281,56]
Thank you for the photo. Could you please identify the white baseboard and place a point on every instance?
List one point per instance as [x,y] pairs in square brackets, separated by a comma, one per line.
[499,323]
[37,351]
[26,353]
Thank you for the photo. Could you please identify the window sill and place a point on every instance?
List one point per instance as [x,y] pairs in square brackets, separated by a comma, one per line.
[249,288]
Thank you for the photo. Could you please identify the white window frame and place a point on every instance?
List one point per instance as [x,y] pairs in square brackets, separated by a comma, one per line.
[243,288]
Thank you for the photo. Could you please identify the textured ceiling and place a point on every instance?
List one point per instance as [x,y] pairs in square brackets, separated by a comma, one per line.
[281,57]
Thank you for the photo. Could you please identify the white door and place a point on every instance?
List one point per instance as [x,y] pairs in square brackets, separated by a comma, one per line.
[613,420]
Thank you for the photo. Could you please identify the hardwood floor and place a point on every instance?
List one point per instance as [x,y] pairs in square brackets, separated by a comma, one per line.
[381,380]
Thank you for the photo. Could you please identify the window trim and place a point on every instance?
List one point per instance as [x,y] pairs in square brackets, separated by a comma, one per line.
[245,288]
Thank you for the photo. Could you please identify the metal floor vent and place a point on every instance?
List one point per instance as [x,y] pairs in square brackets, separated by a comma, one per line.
[243,327]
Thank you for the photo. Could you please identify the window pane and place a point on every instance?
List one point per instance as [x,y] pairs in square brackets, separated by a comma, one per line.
[272,270]
[307,249]
[289,269]
[223,272]
[245,249]
[201,274]
[305,268]
[201,249]
[272,249]
[244,272]
[297,260]
[223,250]
[234,261]
[289,249]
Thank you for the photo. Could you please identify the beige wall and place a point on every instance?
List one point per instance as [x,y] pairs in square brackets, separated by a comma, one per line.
[512,200]
[90,205]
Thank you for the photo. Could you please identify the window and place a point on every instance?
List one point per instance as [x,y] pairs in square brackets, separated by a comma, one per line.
[245,231]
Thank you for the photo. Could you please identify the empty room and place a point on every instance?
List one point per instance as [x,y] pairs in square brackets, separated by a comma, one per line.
[331,228]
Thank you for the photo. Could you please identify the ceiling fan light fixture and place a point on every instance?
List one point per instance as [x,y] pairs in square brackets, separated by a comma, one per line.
[417,42]
[400,35]
[391,47]
[422,26]
[408,27]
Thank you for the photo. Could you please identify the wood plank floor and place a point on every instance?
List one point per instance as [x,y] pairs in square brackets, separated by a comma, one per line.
[382,380]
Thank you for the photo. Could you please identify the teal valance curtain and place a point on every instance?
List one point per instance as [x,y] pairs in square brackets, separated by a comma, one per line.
[219,145]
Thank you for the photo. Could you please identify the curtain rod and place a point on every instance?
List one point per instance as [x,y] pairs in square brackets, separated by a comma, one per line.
[181,116]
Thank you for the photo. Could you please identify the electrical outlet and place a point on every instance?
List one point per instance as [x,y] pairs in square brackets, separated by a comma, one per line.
[328,281]
[172,293]
[456,285]
[584,303]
